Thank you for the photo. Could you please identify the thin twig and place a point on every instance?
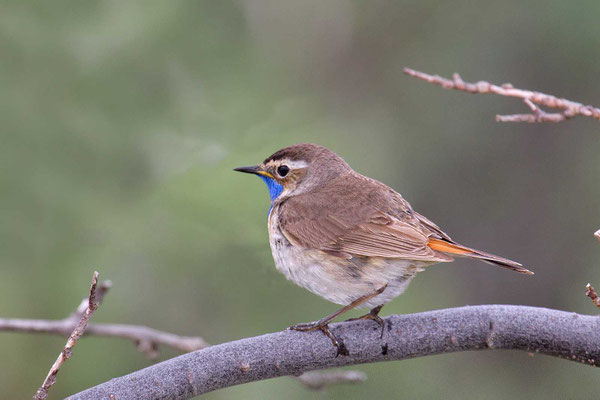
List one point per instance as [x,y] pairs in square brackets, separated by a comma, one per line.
[531,98]
[65,354]
[589,289]
[317,380]
[101,290]
[146,339]
[591,293]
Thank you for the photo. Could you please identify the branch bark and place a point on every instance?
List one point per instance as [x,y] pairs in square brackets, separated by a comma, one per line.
[532,99]
[556,333]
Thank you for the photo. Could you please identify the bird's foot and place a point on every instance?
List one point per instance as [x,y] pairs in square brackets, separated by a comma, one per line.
[323,323]
[323,327]
[373,315]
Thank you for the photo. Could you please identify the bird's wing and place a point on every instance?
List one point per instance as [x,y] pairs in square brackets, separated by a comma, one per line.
[357,219]
[386,236]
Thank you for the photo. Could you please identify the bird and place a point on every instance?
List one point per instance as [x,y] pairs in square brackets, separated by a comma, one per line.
[348,238]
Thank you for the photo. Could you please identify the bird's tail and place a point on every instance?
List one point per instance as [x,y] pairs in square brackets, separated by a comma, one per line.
[462,251]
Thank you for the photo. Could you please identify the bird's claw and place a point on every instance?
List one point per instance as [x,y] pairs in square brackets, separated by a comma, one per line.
[313,326]
[372,315]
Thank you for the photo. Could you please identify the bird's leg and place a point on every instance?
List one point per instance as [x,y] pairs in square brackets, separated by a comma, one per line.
[323,323]
[373,315]
[312,326]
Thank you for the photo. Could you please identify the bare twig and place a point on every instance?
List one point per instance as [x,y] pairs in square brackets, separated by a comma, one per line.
[591,293]
[146,339]
[101,290]
[589,289]
[65,354]
[317,380]
[531,98]
[556,333]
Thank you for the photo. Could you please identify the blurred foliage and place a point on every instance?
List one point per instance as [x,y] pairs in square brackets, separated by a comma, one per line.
[122,120]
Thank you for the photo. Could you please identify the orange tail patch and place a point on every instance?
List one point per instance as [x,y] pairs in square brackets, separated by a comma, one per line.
[441,245]
[453,248]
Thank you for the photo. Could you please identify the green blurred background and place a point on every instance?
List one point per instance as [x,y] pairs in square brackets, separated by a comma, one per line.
[121,122]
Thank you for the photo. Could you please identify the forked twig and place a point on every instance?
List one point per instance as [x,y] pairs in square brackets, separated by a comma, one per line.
[531,98]
[75,325]
[147,340]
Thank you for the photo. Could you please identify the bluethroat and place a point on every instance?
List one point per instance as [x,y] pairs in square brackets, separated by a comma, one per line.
[347,238]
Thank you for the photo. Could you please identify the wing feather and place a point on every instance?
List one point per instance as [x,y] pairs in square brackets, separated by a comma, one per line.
[370,221]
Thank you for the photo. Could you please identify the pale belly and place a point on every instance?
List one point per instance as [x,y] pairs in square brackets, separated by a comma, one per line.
[339,280]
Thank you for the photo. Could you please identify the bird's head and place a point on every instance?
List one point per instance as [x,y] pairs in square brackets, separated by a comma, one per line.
[298,169]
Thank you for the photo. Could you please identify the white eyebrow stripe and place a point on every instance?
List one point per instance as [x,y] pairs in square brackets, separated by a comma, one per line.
[296,164]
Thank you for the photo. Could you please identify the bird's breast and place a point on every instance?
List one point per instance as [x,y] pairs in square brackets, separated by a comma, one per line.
[337,279]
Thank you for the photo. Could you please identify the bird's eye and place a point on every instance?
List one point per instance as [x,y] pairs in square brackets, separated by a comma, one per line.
[283,170]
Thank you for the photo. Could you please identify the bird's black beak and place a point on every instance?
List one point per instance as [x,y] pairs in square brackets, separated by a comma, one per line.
[251,169]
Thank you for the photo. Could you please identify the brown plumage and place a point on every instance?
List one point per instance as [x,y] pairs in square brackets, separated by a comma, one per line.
[372,221]
[346,237]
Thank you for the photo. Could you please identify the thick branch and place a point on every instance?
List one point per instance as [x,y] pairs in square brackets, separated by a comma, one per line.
[557,333]
[531,98]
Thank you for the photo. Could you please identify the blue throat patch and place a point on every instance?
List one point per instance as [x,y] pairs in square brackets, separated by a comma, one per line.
[275,188]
